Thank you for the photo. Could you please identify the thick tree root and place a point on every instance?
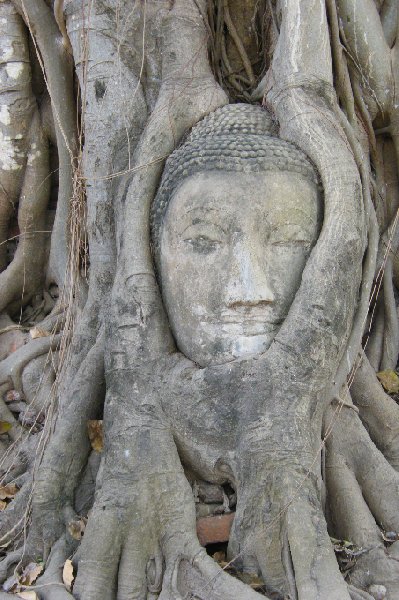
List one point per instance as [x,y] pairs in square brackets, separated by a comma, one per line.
[50,585]
[12,519]
[11,559]
[363,495]
[12,367]
[63,462]
[280,532]
[378,411]
[140,552]
[379,566]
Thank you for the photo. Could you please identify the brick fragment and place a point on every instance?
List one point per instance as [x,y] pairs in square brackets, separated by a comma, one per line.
[211,530]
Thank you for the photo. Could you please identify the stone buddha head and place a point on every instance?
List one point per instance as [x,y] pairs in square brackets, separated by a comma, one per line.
[235,218]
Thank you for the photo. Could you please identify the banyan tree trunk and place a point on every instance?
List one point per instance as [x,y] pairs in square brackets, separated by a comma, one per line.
[95,96]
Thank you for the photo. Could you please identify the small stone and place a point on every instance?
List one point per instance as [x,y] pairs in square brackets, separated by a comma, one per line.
[391,536]
[378,592]
[209,493]
[13,396]
[211,530]
[207,510]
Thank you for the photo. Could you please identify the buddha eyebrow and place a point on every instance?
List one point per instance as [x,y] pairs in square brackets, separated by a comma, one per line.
[197,221]
[195,208]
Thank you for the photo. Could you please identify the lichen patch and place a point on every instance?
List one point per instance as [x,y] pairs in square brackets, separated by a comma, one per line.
[14,69]
[8,154]
[32,156]
[5,114]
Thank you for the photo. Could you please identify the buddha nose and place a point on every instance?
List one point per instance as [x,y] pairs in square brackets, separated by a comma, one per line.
[248,283]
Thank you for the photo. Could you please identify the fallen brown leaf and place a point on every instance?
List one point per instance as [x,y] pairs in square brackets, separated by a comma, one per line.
[8,491]
[30,573]
[95,430]
[4,427]
[67,574]
[38,332]
[250,579]
[219,556]
[77,528]
[389,380]
[3,504]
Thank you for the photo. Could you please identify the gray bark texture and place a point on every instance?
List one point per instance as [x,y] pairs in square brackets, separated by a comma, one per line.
[300,441]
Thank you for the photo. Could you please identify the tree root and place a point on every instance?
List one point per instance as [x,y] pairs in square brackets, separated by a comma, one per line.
[357,594]
[377,410]
[12,520]
[50,585]
[38,383]
[12,336]
[63,462]
[10,559]
[12,367]
[188,568]
[362,494]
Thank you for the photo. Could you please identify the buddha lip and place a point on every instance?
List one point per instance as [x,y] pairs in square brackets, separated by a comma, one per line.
[253,315]
[236,320]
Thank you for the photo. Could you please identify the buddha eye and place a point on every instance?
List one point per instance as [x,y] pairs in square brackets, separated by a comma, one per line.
[202,244]
[292,243]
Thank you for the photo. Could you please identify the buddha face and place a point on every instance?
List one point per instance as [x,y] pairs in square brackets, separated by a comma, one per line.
[233,248]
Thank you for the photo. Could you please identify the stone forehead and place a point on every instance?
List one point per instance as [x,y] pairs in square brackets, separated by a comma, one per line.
[237,137]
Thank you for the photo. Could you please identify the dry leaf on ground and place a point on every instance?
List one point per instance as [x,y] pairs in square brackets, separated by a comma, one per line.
[251,579]
[67,574]
[76,528]
[38,332]
[8,491]
[219,556]
[95,429]
[30,573]
[3,504]
[28,595]
[389,380]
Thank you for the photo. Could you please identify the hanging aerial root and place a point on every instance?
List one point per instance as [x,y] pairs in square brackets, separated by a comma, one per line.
[345,91]
[375,335]
[23,276]
[17,105]
[58,73]
[391,324]
[6,211]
